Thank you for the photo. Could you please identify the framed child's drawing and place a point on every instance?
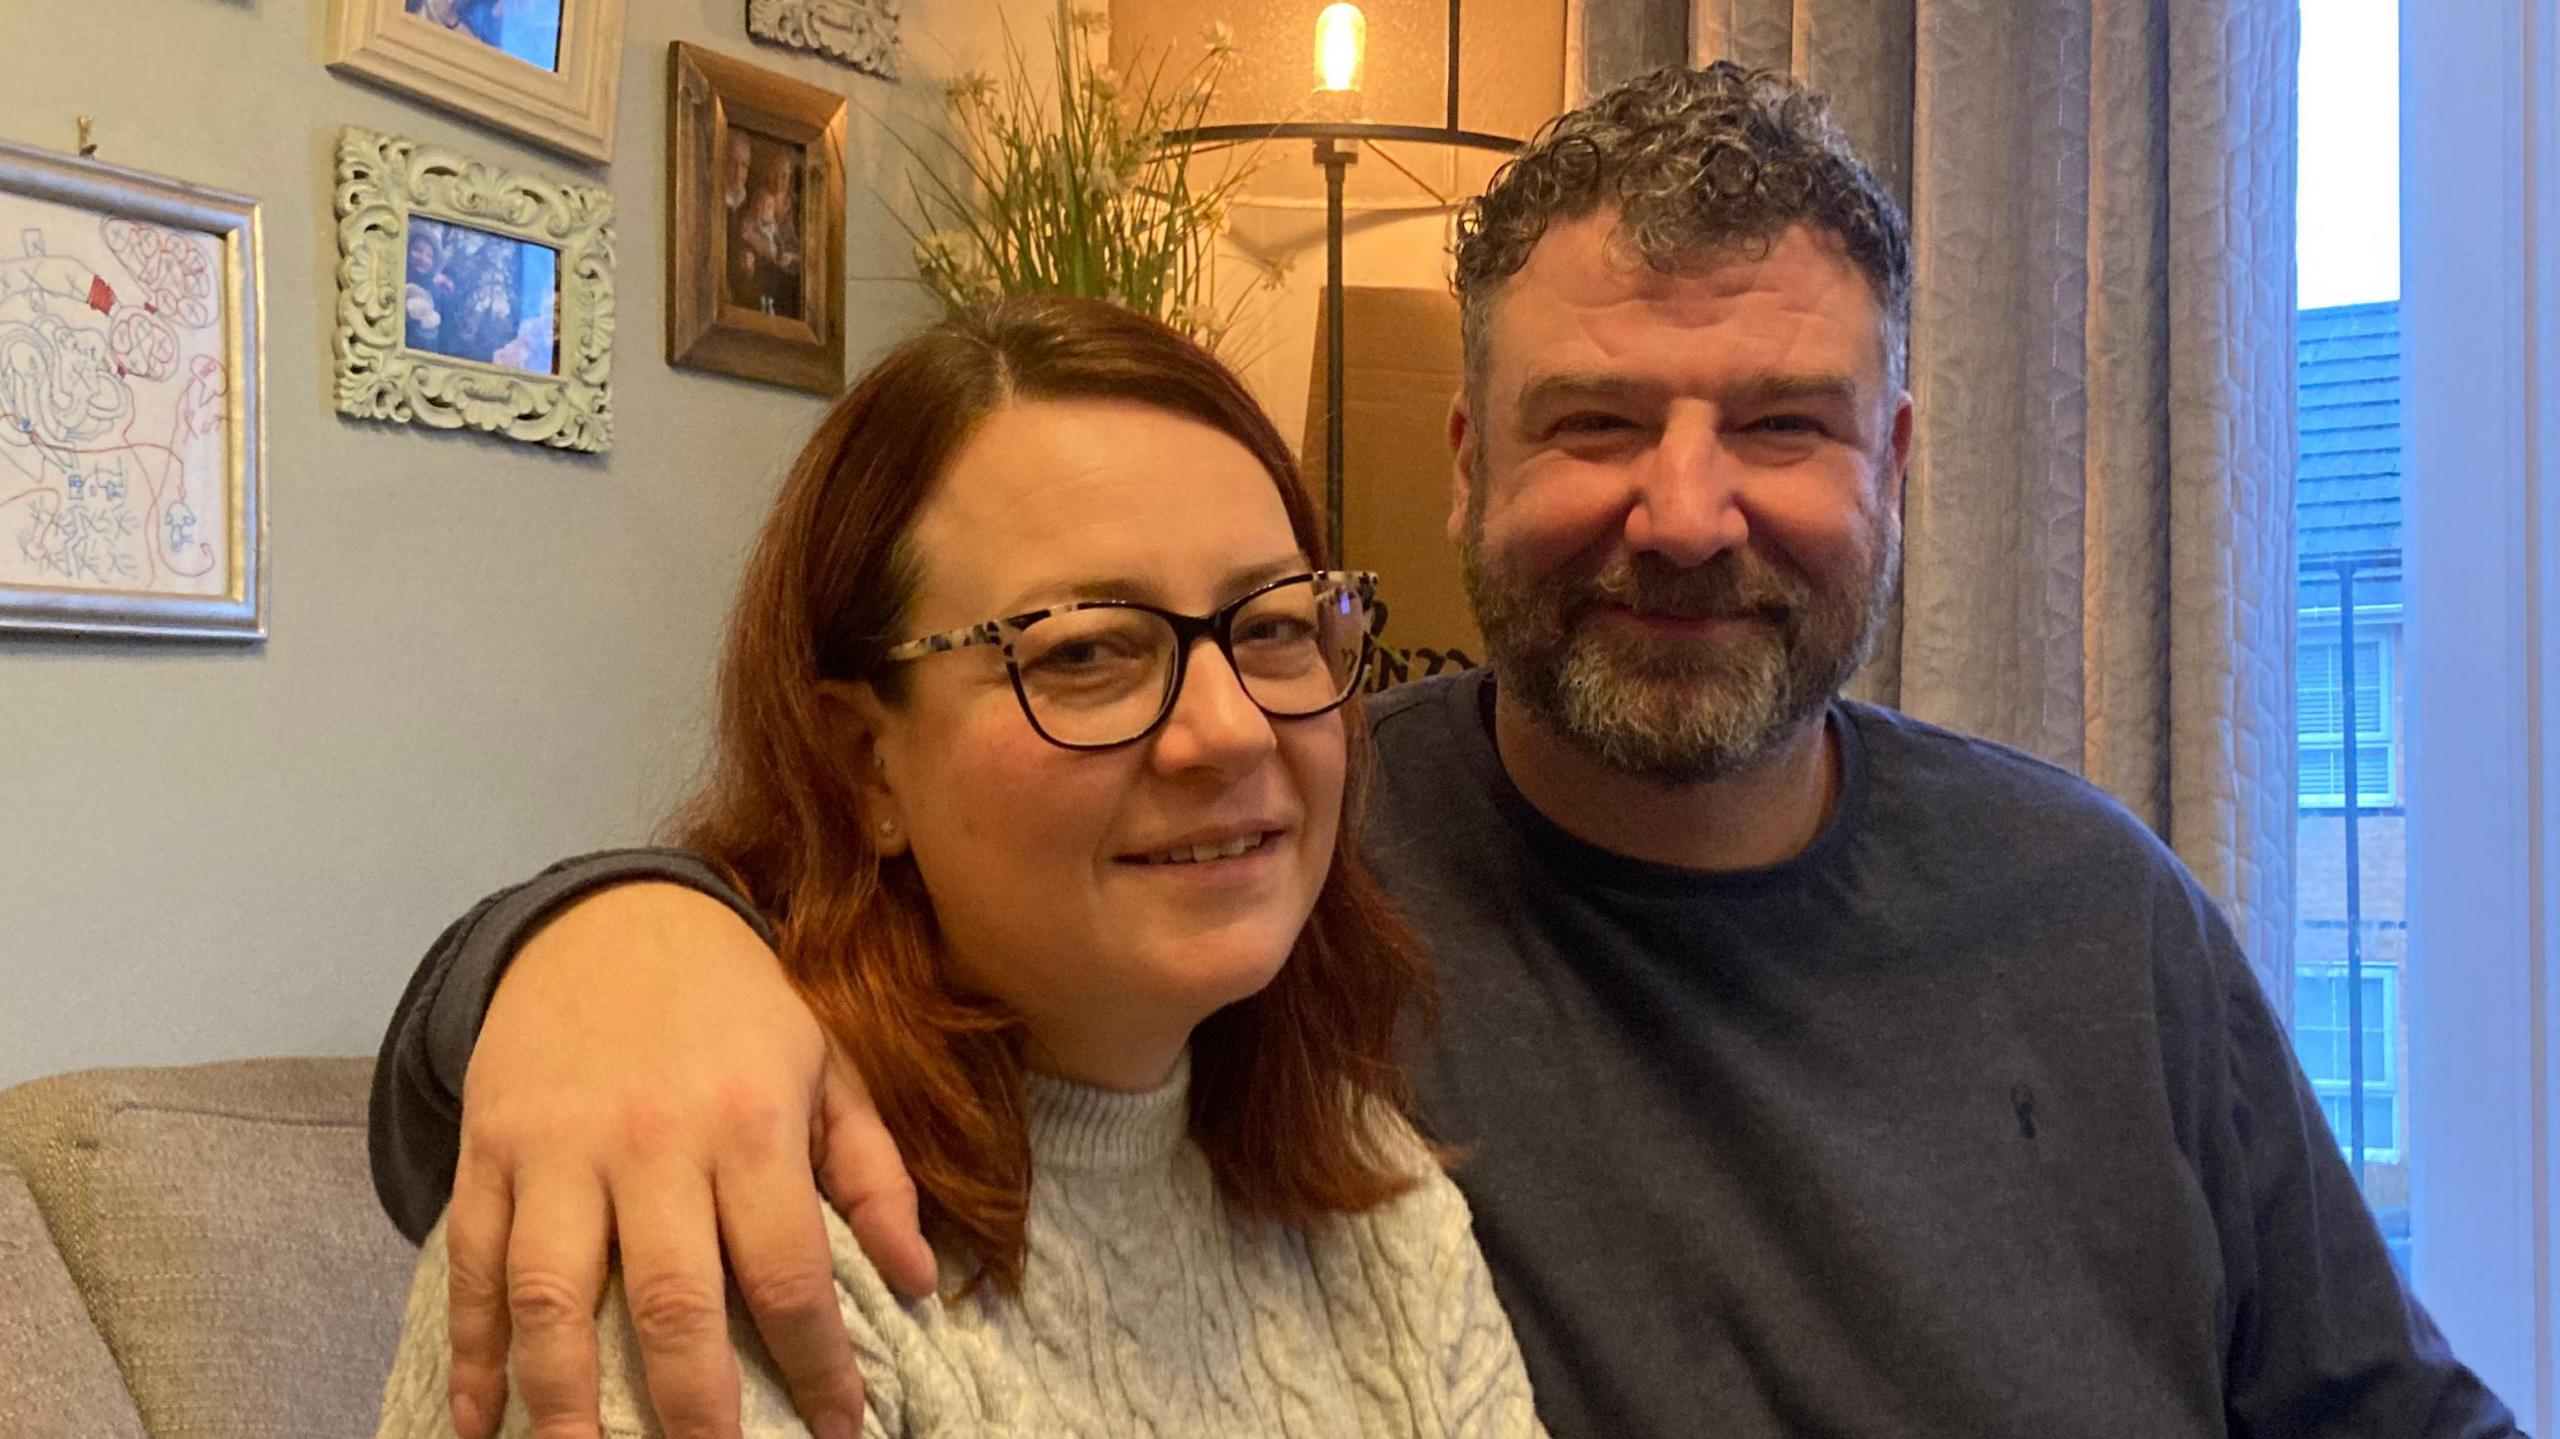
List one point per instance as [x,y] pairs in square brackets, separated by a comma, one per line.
[132,433]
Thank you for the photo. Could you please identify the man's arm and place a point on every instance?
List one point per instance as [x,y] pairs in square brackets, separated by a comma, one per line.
[2326,1339]
[413,1403]
[415,1129]
[645,1079]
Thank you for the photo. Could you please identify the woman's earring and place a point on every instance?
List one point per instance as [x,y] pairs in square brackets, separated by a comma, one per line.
[888,827]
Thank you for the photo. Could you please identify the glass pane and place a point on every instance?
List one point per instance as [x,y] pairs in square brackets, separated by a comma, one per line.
[2373,773]
[2381,1126]
[2350,863]
[2323,775]
[2316,1008]
[528,30]
[2317,703]
[470,294]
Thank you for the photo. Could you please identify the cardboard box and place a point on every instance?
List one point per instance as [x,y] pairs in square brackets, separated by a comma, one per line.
[1402,365]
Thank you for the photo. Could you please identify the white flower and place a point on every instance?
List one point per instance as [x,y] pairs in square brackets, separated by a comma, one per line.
[944,252]
[1220,37]
[1091,19]
[975,280]
[1103,82]
[974,88]
[1107,179]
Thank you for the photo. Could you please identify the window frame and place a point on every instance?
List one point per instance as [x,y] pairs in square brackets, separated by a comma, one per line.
[2387,1022]
[2480,386]
[2383,624]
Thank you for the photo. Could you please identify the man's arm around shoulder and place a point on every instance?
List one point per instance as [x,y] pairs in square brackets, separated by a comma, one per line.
[415,1127]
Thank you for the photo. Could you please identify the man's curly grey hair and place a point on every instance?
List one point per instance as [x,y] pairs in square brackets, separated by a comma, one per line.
[1697,164]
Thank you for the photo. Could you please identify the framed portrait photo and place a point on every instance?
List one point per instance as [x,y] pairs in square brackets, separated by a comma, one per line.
[471,296]
[132,427]
[546,70]
[755,271]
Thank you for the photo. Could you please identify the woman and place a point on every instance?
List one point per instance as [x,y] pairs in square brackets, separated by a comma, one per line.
[1072,887]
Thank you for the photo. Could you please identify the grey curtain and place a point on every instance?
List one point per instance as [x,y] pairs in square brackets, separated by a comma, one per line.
[2099,522]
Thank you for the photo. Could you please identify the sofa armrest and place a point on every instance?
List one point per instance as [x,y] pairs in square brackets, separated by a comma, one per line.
[57,1380]
[219,1223]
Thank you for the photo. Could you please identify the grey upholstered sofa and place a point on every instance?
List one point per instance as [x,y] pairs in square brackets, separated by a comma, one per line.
[195,1252]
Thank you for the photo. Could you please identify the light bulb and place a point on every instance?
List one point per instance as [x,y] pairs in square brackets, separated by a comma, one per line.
[1342,35]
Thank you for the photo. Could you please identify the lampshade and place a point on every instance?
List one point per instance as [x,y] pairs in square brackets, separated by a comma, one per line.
[1510,79]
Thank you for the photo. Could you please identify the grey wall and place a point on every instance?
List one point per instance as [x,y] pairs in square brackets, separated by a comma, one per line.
[484,655]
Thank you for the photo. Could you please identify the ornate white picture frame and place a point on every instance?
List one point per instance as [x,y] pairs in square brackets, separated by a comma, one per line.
[445,266]
[546,70]
[132,390]
[859,33]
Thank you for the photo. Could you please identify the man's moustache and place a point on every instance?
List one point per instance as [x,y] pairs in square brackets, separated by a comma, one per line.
[1692,595]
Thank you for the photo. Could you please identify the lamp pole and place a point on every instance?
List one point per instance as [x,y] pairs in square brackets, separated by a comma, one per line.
[1337,147]
[1336,156]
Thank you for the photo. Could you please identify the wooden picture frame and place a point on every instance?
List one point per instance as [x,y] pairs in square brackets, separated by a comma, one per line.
[459,55]
[445,265]
[859,33]
[755,221]
[132,415]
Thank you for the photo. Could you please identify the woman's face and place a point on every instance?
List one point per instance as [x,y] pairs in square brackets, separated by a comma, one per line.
[1062,879]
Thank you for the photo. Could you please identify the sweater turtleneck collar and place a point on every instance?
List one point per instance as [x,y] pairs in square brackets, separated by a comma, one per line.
[1076,1126]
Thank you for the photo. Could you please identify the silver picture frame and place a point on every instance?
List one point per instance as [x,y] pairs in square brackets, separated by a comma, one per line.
[132,404]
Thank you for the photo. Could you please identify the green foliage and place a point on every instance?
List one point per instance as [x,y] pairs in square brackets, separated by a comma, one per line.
[1083,196]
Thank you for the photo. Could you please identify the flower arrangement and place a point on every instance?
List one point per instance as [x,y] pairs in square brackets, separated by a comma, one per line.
[1085,196]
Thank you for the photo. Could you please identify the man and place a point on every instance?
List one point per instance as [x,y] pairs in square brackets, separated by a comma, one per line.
[1818,1072]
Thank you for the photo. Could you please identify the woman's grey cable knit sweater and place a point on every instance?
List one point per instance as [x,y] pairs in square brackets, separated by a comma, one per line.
[1146,1310]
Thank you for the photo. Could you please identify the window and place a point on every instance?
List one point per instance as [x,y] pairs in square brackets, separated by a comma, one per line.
[2353,605]
[2320,1020]
[2320,711]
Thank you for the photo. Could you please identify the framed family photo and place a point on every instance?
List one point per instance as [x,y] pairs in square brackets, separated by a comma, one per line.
[755,272]
[132,427]
[471,296]
[546,70]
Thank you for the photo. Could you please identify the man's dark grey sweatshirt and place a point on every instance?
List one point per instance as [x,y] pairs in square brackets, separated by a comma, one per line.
[1971,1120]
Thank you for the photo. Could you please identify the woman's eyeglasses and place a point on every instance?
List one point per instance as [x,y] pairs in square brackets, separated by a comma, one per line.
[1098,674]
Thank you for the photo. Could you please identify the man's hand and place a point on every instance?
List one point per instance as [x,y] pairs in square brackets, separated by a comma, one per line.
[646,1073]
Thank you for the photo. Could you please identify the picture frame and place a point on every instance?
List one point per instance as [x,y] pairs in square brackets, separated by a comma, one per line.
[860,33]
[471,296]
[484,59]
[132,413]
[755,220]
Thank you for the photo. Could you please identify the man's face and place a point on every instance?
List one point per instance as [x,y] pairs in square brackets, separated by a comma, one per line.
[1679,495]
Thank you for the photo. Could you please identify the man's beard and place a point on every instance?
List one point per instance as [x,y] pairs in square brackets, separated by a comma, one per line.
[1674,709]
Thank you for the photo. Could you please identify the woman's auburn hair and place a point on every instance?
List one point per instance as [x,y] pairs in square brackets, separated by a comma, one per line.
[1288,1085]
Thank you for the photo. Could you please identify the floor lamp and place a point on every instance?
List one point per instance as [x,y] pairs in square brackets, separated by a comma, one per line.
[1341,61]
